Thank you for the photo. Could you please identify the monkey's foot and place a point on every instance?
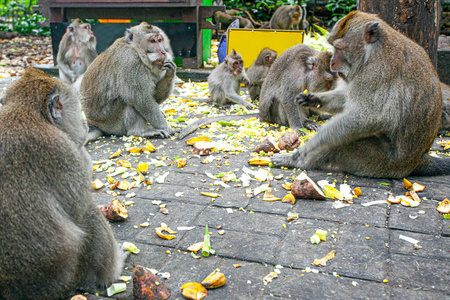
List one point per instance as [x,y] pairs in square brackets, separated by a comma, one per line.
[158,133]
[311,125]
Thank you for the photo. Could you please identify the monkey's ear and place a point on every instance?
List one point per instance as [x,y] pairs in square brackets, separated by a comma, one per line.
[372,33]
[267,58]
[233,52]
[55,107]
[312,63]
[70,28]
[128,36]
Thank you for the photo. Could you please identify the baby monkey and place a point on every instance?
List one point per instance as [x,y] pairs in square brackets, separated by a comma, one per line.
[225,81]
[257,72]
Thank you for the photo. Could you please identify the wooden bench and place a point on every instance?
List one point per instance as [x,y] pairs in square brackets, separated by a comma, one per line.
[190,14]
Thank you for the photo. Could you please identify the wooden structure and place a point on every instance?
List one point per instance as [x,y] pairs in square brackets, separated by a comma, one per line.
[189,12]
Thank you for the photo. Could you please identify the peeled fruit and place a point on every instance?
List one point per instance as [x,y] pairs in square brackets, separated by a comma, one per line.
[305,188]
[444,206]
[192,141]
[115,211]
[267,145]
[148,147]
[214,280]
[288,141]
[194,291]
[146,285]
[259,161]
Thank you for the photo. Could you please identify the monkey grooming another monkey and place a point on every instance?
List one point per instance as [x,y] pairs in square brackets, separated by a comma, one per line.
[298,68]
[286,17]
[391,108]
[257,72]
[224,82]
[76,51]
[53,237]
[123,87]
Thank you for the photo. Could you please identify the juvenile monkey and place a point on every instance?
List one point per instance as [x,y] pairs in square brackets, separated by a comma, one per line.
[298,68]
[53,238]
[257,72]
[226,19]
[125,84]
[76,51]
[224,82]
[391,108]
[286,17]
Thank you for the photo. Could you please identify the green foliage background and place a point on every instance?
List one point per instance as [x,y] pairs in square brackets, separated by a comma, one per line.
[19,14]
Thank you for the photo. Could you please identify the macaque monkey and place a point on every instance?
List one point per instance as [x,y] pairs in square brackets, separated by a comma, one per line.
[304,24]
[286,17]
[54,238]
[226,19]
[257,72]
[225,81]
[123,87]
[390,109]
[445,119]
[76,51]
[295,70]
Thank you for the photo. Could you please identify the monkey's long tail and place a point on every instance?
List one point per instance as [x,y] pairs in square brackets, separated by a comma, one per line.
[435,166]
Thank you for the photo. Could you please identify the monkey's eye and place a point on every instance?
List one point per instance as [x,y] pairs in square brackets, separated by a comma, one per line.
[160,39]
[152,40]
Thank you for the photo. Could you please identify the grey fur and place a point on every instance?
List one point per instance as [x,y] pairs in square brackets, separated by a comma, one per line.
[258,71]
[123,87]
[53,237]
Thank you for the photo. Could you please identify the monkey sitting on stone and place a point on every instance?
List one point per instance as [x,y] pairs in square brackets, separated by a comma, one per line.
[225,80]
[257,72]
[124,86]
[295,70]
[77,50]
[286,17]
[389,114]
[54,239]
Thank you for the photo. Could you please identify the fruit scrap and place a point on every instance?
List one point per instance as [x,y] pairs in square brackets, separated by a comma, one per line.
[267,145]
[412,194]
[123,185]
[322,234]
[305,188]
[159,232]
[212,195]
[78,297]
[116,154]
[392,199]
[181,162]
[123,163]
[357,192]
[148,147]
[314,239]
[417,187]
[287,186]
[292,216]
[289,198]
[406,183]
[323,261]
[195,247]
[116,288]
[111,180]
[203,148]
[142,168]
[115,211]
[146,285]
[214,280]
[332,193]
[193,290]
[269,196]
[288,141]
[259,161]
[268,278]
[444,206]
[97,184]
[192,141]
[131,247]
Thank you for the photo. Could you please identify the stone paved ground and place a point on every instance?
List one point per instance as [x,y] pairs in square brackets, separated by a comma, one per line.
[371,261]
[258,236]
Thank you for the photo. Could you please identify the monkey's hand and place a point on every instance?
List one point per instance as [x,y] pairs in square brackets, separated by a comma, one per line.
[246,81]
[169,66]
[311,125]
[248,105]
[308,100]
[290,160]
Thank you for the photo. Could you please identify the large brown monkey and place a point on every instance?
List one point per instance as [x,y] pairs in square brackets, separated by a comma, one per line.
[286,17]
[391,108]
[53,238]
[257,72]
[298,68]
[76,51]
[224,82]
[125,84]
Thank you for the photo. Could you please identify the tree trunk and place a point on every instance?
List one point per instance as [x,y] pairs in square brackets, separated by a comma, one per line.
[417,19]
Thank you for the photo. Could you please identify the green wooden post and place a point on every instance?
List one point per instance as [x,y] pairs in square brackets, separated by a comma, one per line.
[207,34]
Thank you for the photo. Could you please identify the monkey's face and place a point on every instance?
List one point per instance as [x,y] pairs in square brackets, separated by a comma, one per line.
[237,66]
[339,62]
[81,32]
[295,13]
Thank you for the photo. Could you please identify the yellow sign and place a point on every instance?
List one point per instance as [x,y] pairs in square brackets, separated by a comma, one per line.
[249,42]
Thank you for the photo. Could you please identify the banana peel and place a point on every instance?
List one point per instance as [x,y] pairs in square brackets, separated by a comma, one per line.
[259,161]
